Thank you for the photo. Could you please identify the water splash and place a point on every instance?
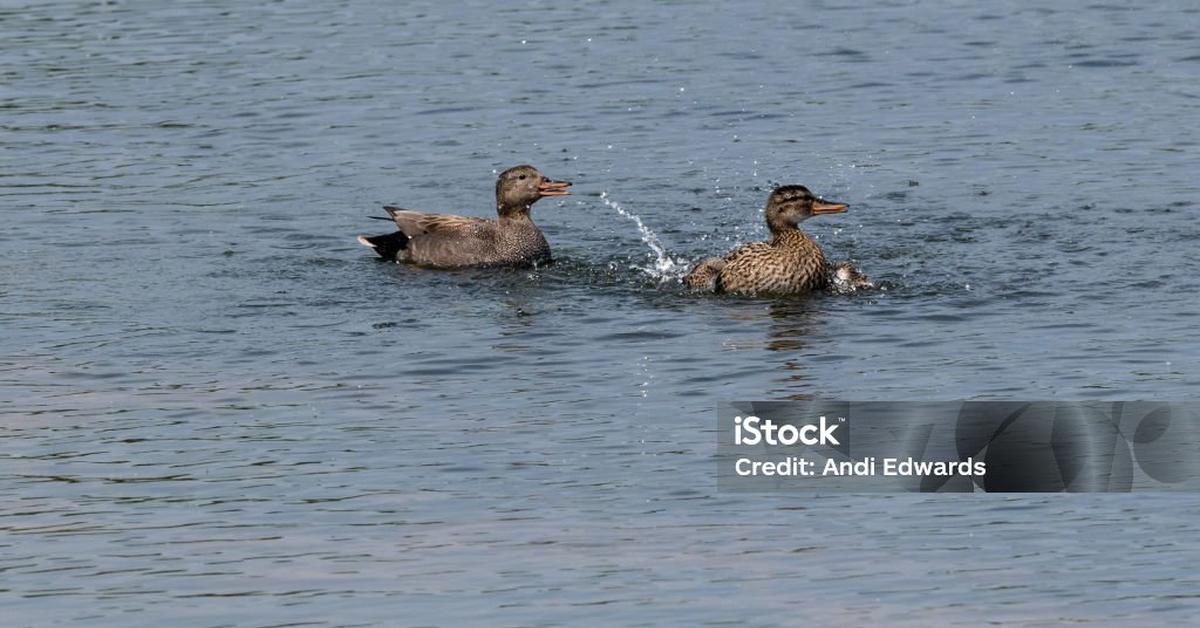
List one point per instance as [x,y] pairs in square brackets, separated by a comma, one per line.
[665,267]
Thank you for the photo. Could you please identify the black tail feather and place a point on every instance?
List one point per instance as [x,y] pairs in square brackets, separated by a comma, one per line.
[388,246]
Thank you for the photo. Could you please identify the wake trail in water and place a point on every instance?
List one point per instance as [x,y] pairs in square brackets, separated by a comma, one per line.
[665,267]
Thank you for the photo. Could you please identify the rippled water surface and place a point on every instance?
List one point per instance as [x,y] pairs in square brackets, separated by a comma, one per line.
[218,409]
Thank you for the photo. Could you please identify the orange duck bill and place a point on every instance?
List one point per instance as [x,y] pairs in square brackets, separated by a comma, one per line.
[822,206]
[554,188]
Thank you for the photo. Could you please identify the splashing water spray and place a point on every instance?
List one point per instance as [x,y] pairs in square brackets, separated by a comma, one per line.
[665,267]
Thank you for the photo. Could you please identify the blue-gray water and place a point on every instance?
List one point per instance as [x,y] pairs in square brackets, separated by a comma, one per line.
[218,409]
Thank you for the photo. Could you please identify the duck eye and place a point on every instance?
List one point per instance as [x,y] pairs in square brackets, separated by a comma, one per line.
[522,177]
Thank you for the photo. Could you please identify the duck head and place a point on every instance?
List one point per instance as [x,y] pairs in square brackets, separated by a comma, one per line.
[520,187]
[790,205]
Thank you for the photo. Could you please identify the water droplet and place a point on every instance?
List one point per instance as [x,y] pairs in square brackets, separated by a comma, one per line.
[665,267]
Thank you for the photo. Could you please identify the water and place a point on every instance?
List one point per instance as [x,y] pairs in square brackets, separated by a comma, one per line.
[218,409]
[664,268]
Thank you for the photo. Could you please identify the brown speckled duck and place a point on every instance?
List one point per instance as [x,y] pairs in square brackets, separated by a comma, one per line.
[446,241]
[790,263]
[844,278]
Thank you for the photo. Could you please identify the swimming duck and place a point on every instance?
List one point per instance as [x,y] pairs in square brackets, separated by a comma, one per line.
[790,263]
[844,278]
[446,241]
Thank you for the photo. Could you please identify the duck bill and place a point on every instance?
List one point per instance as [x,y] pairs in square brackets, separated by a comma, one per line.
[823,206]
[554,188]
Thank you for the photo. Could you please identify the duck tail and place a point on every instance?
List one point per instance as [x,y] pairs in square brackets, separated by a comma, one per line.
[388,246]
[705,275]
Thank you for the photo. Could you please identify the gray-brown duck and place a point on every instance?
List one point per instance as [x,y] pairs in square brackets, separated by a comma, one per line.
[446,241]
[790,263]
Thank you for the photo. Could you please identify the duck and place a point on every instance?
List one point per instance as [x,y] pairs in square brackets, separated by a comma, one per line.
[449,241]
[844,278]
[790,263]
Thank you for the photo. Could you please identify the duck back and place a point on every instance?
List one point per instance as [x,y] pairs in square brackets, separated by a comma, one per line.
[791,263]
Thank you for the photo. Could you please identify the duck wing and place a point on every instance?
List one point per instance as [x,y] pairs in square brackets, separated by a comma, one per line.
[414,223]
[706,274]
[750,251]
[445,239]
